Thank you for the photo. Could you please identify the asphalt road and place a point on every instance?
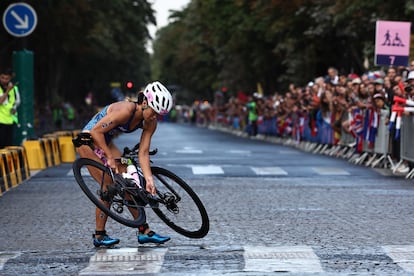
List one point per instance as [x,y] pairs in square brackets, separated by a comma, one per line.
[272,208]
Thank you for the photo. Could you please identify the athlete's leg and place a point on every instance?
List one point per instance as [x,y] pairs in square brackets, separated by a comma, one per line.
[100,237]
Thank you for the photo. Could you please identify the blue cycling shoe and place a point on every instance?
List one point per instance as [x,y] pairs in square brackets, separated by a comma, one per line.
[104,240]
[152,237]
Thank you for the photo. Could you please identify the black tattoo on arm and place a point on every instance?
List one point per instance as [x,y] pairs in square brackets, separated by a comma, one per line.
[105,125]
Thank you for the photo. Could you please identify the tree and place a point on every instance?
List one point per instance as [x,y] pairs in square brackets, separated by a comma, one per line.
[81,46]
[238,43]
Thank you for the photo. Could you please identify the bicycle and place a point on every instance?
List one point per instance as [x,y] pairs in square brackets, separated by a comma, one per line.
[175,202]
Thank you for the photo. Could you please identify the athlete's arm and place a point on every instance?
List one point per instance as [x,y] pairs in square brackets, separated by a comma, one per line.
[143,154]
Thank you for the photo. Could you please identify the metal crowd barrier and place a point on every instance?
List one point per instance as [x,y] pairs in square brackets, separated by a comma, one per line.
[401,106]
[377,155]
[382,157]
[407,137]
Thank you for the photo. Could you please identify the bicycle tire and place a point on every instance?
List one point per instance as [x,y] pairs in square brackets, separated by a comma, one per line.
[192,219]
[115,198]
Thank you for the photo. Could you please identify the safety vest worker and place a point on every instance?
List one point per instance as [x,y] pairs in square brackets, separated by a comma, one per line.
[9,100]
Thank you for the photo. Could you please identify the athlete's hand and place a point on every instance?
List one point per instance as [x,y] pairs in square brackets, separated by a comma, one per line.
[112,165]
[150,186]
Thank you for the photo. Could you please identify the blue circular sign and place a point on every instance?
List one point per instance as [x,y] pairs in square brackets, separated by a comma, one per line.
[19,19]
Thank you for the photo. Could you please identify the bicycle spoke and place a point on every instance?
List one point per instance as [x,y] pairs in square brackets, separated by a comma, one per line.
[182,210]
[111,197]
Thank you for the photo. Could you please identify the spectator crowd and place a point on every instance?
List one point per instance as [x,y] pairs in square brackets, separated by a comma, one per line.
[332,110]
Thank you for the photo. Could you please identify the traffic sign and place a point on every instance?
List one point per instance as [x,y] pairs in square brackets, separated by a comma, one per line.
[19,19]
[392,43]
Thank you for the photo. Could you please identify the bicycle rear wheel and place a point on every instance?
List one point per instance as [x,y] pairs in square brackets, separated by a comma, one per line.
[182,210]
[115,197]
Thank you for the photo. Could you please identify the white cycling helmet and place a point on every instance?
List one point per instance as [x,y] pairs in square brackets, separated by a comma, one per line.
[158,97]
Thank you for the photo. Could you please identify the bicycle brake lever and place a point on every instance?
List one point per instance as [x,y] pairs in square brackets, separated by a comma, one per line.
[126,151]
[135,147]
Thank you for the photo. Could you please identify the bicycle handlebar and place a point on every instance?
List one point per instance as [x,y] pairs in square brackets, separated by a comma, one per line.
[134,150]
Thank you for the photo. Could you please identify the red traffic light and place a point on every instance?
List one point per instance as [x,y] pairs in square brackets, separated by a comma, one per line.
[129,84]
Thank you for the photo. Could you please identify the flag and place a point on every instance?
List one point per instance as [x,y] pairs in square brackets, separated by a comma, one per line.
[357,128]
[398,126]
[374,118]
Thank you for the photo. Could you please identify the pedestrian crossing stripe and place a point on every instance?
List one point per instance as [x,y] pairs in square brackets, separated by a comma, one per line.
[330,171]
[241,152]
[295,259]
[269,171]
[5,256]
[124,261]
[189,151]
[210,169]
[84,171]
[254,259]
[403,255]
[257,259]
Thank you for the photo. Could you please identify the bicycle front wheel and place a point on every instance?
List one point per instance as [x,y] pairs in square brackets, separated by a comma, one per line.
[114,196]
[182,209]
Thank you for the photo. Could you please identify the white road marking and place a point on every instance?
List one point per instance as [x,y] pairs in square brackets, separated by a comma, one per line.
[84,172]
[124,261]
[5,256]
[189,150]
[287,152]
[299,259]
[210,169]
[330,171]
[241,152]
[257,259]
[403,255]
[269,171]
[213,169]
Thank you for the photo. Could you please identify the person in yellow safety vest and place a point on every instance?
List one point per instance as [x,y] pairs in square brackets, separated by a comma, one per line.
[69,116]
[9,101]
[70,113]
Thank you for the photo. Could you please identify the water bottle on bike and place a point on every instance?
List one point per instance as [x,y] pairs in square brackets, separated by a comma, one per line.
[132,173]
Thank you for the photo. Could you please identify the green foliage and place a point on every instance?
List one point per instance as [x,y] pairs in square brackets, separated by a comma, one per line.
[83,45]
[238,43]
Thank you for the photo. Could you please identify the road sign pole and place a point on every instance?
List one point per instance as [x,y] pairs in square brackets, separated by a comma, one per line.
[20,20]
[23,67]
